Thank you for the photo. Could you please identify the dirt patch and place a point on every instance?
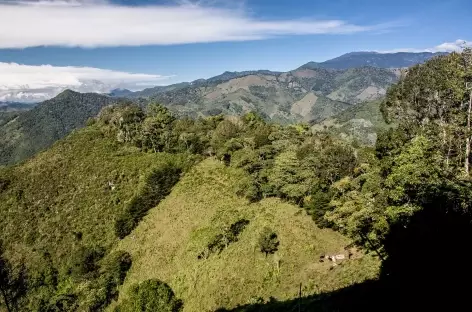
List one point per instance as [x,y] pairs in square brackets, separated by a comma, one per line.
[304,106]
[371,93]
[304,73]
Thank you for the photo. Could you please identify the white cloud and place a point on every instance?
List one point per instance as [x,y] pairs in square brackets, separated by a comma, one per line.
[457,45]
[96,23]
[37,83]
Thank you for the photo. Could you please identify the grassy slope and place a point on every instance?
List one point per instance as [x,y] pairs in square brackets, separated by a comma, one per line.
[65,190]
[167,242]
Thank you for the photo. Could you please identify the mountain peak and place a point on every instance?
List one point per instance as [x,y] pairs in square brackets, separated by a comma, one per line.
[66,93]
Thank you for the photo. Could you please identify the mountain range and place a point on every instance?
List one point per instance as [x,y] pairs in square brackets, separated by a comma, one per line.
[312,93]
[29,94]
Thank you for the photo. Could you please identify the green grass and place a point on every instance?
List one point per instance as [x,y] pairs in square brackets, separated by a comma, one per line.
[168,241]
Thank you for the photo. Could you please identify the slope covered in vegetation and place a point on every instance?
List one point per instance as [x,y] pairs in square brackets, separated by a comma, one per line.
[360,123]
[169,241]
[64,212]
[37,129]
[63,205]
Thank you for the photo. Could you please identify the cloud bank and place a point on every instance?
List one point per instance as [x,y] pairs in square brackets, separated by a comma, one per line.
[26,83]
[455,46]
[93,23]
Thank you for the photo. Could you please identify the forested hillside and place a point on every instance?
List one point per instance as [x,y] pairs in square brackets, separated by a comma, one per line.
[24,134]
[73,216]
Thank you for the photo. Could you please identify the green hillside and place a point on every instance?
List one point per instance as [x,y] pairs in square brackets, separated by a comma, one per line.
[67,190]
[37,129]
[64,211]
[167,243]
[360,123]
[63,204]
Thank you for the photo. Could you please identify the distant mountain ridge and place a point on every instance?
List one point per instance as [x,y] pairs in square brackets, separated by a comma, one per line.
[308,94]
[25,134]
[374,59]
[15,106]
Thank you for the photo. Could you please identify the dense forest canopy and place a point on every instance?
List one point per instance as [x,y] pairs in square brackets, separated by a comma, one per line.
[407,195]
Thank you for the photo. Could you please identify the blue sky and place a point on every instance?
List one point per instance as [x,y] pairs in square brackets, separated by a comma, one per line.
[167,39]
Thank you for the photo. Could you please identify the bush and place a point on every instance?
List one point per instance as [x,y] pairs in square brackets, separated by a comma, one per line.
[116,265]
[112,274]
[158,185]
[151,296]
[85,260]
[221,241]
[318,205]
[268,241]
[4,183]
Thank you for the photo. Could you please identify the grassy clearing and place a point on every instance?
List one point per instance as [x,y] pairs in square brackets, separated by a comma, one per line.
[168,241]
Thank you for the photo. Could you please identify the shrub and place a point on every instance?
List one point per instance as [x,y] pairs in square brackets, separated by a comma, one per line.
[221,241]
[268,241]
[112,274]
[116,265]
[158,185]
[318,205]
[85,260]
[151,296]
[4,183]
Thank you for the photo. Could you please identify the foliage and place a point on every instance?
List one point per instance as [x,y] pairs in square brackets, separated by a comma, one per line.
[431,100]
[12,283]
[37,129]
[151,296]
[268,241]
[158,185]
[221,241]
[85,260]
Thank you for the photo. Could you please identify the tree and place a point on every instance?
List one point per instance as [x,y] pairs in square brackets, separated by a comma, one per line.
[157,128]
[286,179]
[126,118]
[268,241]
[431,100]
[151,296]
[13,284]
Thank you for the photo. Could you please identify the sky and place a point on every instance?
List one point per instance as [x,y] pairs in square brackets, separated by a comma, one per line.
[97,45]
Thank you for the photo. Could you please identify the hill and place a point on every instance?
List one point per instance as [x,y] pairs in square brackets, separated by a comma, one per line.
[24,134]
[202,205]
[278,98]
[308,95]
[60,210]
[374,59]
[361,123]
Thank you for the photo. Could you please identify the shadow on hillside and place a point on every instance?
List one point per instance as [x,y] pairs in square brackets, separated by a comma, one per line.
[354,298]
[428,265]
